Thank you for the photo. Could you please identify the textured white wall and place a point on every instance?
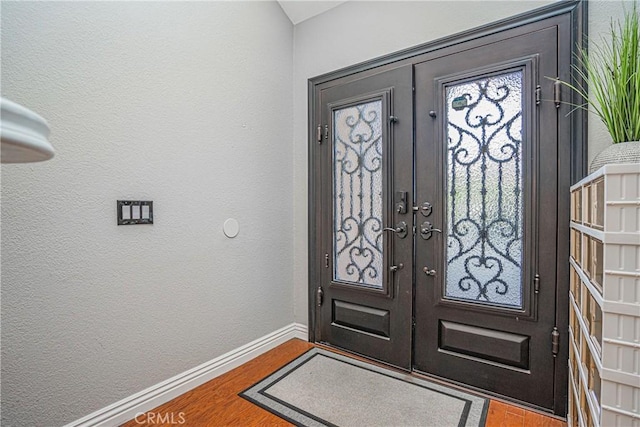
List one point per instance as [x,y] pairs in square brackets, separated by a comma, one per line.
[354,32]
[185,104]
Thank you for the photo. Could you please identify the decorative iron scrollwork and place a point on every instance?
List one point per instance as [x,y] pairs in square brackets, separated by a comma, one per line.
[357,189]
[484,206]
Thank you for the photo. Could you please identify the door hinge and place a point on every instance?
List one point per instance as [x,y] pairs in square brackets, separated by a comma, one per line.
[536,284]
[326,260]
[319,296]
[556,92]
[555,341]
[319,134]
[393,119]
[538,94]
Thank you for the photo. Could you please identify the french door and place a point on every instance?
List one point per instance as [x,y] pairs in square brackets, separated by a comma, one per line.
[366,161]
[486,164]
[437,231]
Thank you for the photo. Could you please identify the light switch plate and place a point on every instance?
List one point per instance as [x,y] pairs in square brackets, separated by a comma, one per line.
[132,212]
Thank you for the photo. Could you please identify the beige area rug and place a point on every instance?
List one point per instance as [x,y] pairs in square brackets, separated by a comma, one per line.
[321,388]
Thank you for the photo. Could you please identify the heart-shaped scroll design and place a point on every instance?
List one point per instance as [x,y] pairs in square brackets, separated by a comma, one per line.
[481,273]
[362,262]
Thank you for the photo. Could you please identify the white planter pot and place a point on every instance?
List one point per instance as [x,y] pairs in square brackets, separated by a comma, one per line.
[622,152]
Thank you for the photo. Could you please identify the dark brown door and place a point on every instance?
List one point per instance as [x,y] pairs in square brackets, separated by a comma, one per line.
[365,147]
[486,185]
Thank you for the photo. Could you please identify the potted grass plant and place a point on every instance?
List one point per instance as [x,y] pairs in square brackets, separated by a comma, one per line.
[611,70]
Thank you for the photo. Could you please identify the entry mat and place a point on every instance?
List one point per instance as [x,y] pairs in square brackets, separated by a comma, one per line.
[321,388]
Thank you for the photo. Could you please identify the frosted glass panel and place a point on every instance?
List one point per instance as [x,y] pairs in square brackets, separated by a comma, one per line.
[484,190]
[357,192]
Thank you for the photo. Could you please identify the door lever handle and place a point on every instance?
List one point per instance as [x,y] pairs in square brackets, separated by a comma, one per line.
[400,229]
[426,229]
[395,230]
[437,230]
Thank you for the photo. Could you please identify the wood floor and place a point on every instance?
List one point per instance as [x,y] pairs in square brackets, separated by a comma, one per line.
[216,403]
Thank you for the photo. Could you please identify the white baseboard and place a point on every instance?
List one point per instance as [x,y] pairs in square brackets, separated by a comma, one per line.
[154,396]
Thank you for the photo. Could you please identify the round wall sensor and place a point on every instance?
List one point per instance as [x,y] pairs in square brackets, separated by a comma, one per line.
[231,228]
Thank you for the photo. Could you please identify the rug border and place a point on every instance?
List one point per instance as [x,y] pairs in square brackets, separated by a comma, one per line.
[279,378]
[244,395]
[464,416]
[315,351]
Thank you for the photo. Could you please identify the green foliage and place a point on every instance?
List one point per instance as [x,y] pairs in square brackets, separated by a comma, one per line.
[611,70]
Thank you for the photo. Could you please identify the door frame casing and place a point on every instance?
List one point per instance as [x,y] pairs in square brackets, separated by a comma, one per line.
[570,17]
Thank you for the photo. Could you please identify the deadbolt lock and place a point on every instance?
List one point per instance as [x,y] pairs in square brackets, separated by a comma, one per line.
[401,202]
[426,208]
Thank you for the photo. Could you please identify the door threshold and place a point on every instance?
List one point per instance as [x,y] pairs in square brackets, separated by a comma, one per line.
[443,381]
[361,357]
